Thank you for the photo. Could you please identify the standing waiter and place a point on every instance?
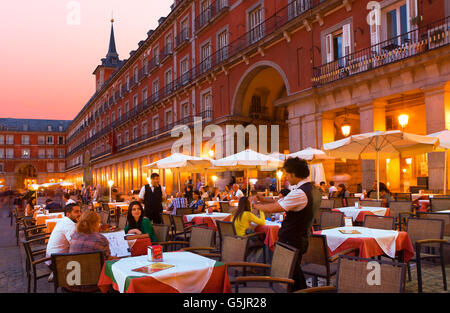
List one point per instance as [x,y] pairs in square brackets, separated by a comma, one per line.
[300,206]
[153,195]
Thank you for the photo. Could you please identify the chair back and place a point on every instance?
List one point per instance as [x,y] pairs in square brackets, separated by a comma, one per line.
[402,196]
[421,228]
[352,200]
[439,204]
[225,207]
[327,204]
[283,264]
[438,216]
[379,222]
[338,203]
[225,229]
[105,207]
[88,267]
[331,219]
[161,232]
[178,223]
[397,207]
[166,219]
[185,211]
[234,249]
[202,237]
[104,217]
[353,275]
[122,221]
[317,252]
[371,203]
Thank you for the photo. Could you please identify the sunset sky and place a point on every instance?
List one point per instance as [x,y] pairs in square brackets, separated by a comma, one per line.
[47,62]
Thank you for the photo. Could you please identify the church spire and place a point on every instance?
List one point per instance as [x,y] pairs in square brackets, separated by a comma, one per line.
[112,57]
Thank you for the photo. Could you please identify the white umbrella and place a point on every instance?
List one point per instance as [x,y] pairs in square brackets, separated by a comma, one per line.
[180,161]
[390,144]
[248,159]
[444,144]
[317,172]
[310,154]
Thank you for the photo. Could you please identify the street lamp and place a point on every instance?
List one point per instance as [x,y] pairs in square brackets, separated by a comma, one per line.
[279,175]
[110,184]
[403,120]
[346,128]
[214,178]
[211,153]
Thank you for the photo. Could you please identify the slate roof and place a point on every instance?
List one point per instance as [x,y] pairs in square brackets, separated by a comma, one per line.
[33,125]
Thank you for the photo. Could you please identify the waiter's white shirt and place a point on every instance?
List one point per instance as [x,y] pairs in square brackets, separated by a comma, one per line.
[142,192]
[70,201]
[295,200]
[239,193]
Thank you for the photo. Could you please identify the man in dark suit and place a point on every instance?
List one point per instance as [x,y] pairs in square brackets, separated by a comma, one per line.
[153,195]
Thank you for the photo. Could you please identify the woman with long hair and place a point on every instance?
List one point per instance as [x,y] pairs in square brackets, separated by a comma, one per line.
[138,224]
[342,193]
[29,208]
[243,217]
[197,204]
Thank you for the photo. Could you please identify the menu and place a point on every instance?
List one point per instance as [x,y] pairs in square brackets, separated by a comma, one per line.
[152,268]
[349,231]
[117,243]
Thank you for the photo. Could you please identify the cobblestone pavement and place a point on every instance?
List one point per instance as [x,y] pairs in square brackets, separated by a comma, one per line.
[13,277]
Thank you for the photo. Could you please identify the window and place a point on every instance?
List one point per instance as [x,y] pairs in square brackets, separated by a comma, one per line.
[255,25]
[9,139]
[168,117]
[135,101]
[184,110]
[50,153]
[2,153]
[25,127]
[49,128]
[169,46]
[205,57]
[61,153]
[50,140]
[2,167]
[60,140]
[2,139]
[120,90]
[61,167]
[127,136]
[41,140]
[113,117]
[155,89]
[397,24]
[41,153]
[338,44]
[25,153]
[119,112]
[184,35]
[297,7]
[25,139]
[145,95]
[156,54]
[60,128]
[50,167]
[119,139]
[206,101]
[222,46]
[155,123]
[135,132]
[135,75]
[9,153]
[168,82]
[127,107]
[144,129]
[205,12]
[127,82]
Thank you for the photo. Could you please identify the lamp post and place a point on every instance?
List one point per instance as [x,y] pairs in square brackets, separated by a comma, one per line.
[214,178]
[110,184]
[279,175]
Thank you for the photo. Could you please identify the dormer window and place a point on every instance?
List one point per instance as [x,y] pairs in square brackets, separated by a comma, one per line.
[49,128]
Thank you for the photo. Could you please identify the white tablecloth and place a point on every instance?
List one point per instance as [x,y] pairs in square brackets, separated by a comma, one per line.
[214,216]
[190,274]
[353,212]
[385,238]
[445,211]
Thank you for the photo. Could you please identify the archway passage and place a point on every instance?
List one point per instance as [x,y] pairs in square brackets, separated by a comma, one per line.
[26,174]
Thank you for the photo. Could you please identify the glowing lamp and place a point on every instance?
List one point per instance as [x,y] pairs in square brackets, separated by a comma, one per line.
[346,128]
[404,170]
[279,174]
[388,161]
[211,153]
[403,120]
[408,161]
[110,183]
[252,181]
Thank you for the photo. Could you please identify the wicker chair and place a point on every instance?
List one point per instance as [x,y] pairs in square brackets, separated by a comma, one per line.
[370,203]
[34,266]
[352,200]
[402,196]
[161,232]
[185,211]
[379,222]
[352,277]
[439,204]
[201,241]
[438,216]
[89,266]
[316,261]
[399,209]
[234,253]
[167,220]
[281,271]
[122,221]
[19,216]
[331,219]
[426,233]
[327,204]
[338,203]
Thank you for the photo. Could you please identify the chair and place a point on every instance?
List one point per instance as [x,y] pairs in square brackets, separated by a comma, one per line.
[370,203]
[379,222]
[439,204]
[167,220]
[122,221]
[225,207]
[402,196]
[19,216]
[201,240]
[398,209]
[161,232]
[34,265]
[327,204]
[185,211]
[233,253]
[338,203]
[104,217]
[426,233]
[316,261]
[281,271]
[353,273]
[331,219]
[88,267]
[438,216]
[352,200]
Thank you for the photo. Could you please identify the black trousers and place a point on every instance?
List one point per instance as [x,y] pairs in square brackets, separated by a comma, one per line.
[299,277]
[154,216]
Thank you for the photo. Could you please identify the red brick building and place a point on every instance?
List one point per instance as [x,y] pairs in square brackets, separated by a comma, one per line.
[31,151]
[309,66]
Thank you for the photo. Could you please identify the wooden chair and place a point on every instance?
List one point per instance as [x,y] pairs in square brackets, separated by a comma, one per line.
[317,263]
[167,220]
[331,219]
[399,209]
[19,216]
[88,264]
[281,271]
[402,196]
[35,266]
[371,203]
[379,222]
[426,233]
[439,204]
[352,277]
[338,203]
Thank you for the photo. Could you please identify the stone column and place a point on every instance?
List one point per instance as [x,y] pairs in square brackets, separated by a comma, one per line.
[308,131]
[372,118]
[325,134]
[295,138]
[437,108]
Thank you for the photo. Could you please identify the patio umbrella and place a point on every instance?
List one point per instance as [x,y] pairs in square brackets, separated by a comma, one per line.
[246,160]
[444,144]
[181,162]
[389,144]
[310,154]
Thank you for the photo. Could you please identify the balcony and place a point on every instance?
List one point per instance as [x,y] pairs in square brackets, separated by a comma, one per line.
[166,52]
[298,7]
[182,38]
[205,65]
[168,89]
[153,64]
[395,49]
[184,79]
[210,14]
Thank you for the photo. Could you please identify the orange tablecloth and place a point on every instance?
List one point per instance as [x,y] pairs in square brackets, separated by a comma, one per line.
[41,218]
[271,232]
[218,283]
[50,226]
[362,214]
[206,220]
[368,247]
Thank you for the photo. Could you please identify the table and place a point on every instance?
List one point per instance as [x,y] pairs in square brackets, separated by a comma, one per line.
[423,205]
[191,273]
[40,218]
[122,205]
[359,214]
[204,218]
[215,204]
[271,230]
[371,242]
[445,211]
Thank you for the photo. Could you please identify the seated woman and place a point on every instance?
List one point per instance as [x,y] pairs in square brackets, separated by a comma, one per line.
[215,194]
[342,193]
[29,208]
[204,193]
[197,204]
[385,195]
[137,223]
[243,217]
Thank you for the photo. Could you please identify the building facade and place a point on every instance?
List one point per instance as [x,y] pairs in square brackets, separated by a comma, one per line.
[32,151]
[308,66]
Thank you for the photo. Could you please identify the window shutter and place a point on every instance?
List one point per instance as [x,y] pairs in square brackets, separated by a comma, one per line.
[346,40]
[329,47]
[411,12]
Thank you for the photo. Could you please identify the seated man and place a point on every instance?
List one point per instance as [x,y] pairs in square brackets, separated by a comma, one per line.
[237,193]
[67,199]
[63,231]
[178,203]
[52,207]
